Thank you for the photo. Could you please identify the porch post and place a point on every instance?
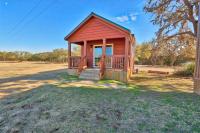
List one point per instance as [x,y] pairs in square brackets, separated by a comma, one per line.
[131,56]
[126,54]
[69,54]
[104,48]
[85,52]
[104,52]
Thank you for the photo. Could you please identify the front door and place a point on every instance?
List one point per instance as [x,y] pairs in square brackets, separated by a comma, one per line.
[109,53]
[97,55]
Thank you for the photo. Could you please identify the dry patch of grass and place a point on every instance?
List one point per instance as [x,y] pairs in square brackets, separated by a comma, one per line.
[57,102]
[163,83]
[145,68]
[26,68]
[18,77]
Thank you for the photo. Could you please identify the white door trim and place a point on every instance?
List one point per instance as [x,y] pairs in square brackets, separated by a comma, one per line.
[102,51]
[94,53]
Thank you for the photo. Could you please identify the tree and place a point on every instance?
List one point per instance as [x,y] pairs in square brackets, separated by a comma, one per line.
[57,55]
[172,16]
[76,50]
[3,56]
[22,55]
[60,55]
[176,48]
[143,53]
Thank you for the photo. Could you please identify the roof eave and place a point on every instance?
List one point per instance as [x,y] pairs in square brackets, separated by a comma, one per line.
[74,30]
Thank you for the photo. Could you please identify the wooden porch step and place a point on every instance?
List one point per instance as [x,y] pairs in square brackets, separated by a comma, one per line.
[90,74]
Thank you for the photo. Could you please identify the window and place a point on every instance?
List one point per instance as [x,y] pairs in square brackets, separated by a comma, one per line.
[109,50]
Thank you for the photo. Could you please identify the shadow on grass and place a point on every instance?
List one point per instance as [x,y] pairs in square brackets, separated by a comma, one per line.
[27,82]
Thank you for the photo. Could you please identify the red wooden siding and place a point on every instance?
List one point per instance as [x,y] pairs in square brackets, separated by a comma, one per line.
[95,29]
[118,45]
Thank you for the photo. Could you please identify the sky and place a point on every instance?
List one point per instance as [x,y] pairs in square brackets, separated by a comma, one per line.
[41,25]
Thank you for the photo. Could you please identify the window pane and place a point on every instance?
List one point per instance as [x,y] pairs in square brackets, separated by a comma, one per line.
[98,51]
[109,50]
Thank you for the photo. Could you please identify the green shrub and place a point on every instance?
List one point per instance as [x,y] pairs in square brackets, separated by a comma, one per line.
[188,70]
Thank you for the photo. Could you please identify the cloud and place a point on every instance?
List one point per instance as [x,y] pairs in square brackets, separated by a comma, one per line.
[122,18]
[128,18]
[133,16]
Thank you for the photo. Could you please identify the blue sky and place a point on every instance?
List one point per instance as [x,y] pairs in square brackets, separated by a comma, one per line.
[40,25]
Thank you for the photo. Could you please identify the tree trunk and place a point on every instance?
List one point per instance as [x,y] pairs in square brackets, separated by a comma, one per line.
[173,59]
[197,63]
[153,60]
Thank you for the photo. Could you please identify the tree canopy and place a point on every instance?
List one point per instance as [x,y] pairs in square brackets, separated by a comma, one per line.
[57,55]
[174,17]
[173,52]
[178,26]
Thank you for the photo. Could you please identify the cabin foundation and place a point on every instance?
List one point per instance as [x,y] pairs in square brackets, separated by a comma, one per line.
[119,75]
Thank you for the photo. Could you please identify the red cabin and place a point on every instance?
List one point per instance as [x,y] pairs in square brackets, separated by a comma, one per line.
[107,50]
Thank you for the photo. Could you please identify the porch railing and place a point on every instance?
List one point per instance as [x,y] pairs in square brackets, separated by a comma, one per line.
[82,65]
[74,61]
[114,62]
[102,66]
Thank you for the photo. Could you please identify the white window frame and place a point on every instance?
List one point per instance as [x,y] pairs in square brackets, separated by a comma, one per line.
[96,45]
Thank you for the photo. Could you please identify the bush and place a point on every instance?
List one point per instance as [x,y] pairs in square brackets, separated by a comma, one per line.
[188,70]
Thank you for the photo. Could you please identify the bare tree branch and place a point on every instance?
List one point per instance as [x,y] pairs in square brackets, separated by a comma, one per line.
[173,16]
[191,15]
[179,34]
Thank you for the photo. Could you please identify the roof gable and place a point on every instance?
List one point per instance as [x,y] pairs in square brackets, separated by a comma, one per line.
[102,20]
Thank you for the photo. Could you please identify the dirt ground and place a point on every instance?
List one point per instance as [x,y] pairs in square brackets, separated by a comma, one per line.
[156,68]
[15,77]
[26,68]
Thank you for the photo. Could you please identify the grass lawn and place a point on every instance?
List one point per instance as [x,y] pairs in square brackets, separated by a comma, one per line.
[56,102]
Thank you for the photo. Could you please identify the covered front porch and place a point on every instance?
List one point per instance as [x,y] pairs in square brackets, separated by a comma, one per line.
[112,53]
